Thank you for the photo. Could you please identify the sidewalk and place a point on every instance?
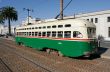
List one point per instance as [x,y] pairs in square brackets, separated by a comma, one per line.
[9,38]
[104,49]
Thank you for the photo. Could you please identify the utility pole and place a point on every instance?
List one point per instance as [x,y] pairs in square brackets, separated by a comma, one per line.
[61,9]
[28,10]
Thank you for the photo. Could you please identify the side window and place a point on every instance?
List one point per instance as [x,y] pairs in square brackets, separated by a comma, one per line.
[54,26]
[60,26]
[68,25]
[43,33]
[32,33]
[60,34]
[67,34]
[39,33]
[77,34]
[29,33]
[36,33]
[53,33]
[48,34]
[48,26]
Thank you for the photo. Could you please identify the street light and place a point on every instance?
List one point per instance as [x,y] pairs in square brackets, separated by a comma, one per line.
[28,10]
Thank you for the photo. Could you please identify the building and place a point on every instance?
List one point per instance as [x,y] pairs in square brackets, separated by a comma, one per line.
[101,19]
[4,30]
[1,29]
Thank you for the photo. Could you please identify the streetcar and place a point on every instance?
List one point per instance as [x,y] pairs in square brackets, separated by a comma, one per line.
[68,37]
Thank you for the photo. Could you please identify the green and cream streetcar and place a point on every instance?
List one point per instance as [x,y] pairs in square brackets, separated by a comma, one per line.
[69,37]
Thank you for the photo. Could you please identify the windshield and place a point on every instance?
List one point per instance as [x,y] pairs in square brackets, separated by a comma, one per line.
[91,32]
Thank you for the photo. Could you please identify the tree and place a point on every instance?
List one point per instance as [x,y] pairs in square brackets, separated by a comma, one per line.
[1,18]
[10,14]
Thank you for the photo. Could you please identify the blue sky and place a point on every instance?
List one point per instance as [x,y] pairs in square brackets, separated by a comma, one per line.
[46,9]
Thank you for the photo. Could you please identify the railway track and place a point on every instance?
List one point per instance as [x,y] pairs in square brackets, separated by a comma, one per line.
[43,62]
[16,55]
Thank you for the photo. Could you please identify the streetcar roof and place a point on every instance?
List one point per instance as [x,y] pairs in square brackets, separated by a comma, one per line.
[73,22]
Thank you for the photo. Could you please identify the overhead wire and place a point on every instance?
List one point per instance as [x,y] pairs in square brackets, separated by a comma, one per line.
[64,8]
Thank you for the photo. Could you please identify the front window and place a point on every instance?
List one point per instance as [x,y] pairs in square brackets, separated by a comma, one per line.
[77,34]
[91,32]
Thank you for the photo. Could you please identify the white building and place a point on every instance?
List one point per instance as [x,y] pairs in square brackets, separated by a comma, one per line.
[101,19]
[1,29]
[4,30]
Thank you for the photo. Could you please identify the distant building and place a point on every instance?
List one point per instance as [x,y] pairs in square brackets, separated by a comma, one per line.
[1,29]
[4,30]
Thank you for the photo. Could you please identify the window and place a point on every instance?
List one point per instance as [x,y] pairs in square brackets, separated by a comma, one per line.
[68,25]
[36,33]
[91,19]
[108,31]
[32,27]
[60,26]
[87,19]
[96,20]
[54,26]
[91,32]
[32,33]
[53,33]
[39,33]
[43,33]
[39,27]
[108,19]
[67,34]
[60,34]
[44,27]
[29,33]
[77,34]
[36,27]
[48,34]
[48,26]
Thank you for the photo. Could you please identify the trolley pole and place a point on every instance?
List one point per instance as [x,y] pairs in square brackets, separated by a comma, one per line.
[28,10]
[61,9]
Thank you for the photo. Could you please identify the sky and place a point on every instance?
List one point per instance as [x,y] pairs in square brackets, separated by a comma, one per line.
[46,9]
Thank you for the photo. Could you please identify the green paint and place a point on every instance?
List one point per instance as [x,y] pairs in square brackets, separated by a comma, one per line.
[68,48]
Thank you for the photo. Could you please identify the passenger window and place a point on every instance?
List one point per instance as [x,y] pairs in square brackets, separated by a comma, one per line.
[54,26]
[60,34]
[36,27]
[32,27]
[29,33]
[39,33]
[44,27]
[32,33]
[36,33]
[43,33]
[48,26]
[67,34]
[68,25]
[53,33]
[60,26]
[48,34]
[77,34]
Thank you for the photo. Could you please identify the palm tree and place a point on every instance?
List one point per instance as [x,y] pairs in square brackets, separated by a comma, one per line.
[1,17]
[10,14]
